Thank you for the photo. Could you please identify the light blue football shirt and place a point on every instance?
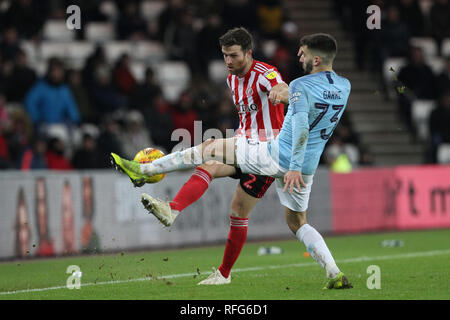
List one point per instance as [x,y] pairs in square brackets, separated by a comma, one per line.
[316,104]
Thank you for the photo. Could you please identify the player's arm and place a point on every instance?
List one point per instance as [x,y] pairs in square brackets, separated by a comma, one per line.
[300,134]
[279,92]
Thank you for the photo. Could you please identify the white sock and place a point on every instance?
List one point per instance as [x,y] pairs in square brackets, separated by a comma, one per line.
[318,249]
[180,160]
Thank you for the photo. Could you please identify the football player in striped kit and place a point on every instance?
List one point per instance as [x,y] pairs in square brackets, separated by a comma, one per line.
[258,92]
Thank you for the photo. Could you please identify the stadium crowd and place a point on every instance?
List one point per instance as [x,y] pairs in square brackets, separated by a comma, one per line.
[410,54]
[71,117]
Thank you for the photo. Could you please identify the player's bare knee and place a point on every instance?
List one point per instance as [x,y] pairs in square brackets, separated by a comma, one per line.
[295,220]
[209,148]
[210,167]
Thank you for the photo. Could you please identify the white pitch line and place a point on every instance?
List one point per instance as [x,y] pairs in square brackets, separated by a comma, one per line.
[308,264]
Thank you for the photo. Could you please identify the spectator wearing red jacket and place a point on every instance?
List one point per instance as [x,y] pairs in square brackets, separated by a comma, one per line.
[55,157]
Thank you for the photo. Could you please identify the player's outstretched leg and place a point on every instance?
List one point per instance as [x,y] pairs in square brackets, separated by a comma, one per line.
[317,248]
[222,150]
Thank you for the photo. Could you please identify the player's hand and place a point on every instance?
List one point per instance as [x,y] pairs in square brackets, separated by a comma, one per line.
[274,97]
[293,179]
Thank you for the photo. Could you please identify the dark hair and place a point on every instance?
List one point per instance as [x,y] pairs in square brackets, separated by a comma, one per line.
[237,36]
[322,42]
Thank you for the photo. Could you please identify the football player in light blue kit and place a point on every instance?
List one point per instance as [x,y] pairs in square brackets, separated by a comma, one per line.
[316,103]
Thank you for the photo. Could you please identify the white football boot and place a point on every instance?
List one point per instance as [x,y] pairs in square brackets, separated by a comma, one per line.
[160,209]
[216,278]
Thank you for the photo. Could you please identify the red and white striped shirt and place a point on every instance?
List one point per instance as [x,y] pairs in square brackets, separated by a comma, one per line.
[259,118]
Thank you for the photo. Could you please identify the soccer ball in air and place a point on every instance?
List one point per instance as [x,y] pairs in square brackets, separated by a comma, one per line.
[148,155]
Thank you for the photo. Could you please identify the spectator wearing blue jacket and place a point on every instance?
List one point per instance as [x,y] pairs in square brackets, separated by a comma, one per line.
[50,100]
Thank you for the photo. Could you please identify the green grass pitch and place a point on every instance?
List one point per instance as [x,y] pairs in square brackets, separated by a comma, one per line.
[417,270]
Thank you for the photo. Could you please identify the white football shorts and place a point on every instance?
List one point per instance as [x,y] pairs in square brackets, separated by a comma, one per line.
[253,157]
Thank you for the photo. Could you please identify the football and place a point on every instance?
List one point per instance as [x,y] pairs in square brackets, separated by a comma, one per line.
[148,155]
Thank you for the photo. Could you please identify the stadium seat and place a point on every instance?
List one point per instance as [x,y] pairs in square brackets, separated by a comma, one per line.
[149,51]
[436,64]
[32,52]
[138,70]
[80,49]
[420,113]
[150,10]
[114,49]
[99,31]
[40,67]
[217,71]
[174,77]
[56,30]
[54,49]
[428,45]
[392,67]
[269,47]
[109,9]
[443,153]
[445,48]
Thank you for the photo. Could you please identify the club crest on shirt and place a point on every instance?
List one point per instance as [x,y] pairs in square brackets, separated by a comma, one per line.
[270,74]
[249,91]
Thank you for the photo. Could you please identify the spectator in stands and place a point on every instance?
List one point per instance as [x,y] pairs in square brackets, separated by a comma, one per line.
[206,100]
[9,45]
[443,79]
[108,141]
[21,133]
[135,135]
[5,127]
[227,115]
[93,62]
[179,40]
[130,24]
[392,40]
[161,124]
[123,77]
[411,13]
[184,114]
[270,18]
[240,13]
[170,15]
[26,16]
[144,95]
[56,160]
[34,157]
[21,78]
[415,81]
[104,96]
[207,42]
[50,100]
[285,58]
[439,123]
[80,93]
[86,156]
[340,156]
[440,17]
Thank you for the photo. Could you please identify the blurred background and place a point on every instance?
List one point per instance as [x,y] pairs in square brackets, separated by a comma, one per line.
[137,70]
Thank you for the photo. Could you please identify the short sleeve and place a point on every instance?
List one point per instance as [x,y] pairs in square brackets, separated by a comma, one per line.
[270,79]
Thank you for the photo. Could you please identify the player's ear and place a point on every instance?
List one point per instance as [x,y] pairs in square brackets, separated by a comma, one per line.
[317,61]
[249,54]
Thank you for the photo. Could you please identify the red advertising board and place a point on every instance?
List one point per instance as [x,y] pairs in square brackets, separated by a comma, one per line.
[405,197]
